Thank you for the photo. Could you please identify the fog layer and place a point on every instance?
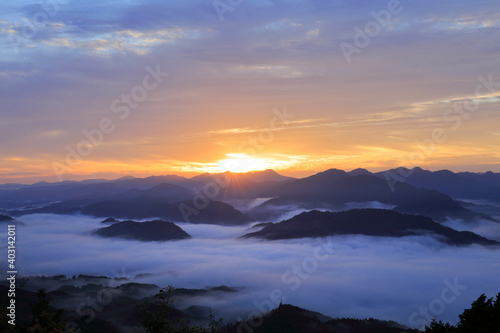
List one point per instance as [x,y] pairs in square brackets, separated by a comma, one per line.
[347,276]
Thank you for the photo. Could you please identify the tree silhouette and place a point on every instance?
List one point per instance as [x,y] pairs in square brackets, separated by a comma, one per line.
[482,317]
[161,317]
[44,319]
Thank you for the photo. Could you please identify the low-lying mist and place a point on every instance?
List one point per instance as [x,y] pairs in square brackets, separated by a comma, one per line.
[401,279]
[483,228]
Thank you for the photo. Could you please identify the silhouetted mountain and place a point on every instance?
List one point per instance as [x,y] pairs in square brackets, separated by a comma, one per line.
[12,186]
[45,193]
[160,196]
[333,189]
[359,171]
[371,222]
[5,219]
[144,231]
[254,177]
[462,185]
[265,176]
[238,185]
[110,220]
[17,196]
[214,212]
[124,311]
[161,192]
[316,184]
[292,319]
[261,225]
[210,212]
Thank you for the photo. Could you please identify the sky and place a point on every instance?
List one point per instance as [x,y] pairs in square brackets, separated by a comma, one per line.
[114,88]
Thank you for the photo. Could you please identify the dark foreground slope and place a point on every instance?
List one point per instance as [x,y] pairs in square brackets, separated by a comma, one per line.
[371,222]
[292,319]
[124,311]
[144,231]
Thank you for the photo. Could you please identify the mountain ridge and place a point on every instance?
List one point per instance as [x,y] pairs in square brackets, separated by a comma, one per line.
[369,222]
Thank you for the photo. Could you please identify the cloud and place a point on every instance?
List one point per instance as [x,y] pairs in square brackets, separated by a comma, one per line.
[227,76]
[357,276]
[484,228]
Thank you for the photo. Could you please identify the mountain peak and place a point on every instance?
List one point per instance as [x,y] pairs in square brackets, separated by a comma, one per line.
[359,171]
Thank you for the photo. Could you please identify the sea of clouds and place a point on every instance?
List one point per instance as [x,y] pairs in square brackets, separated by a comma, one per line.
[401,279]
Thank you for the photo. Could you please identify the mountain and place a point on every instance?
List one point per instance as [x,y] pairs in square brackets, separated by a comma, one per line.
[109,220]
[144,231]
[44,193]
[253,176]
[213,212]
[371,222]
[17,196]
[6,219]
[232,186]
[462,185]
[161,192]
[359,171]
[316,184]
[431,194]
[335,190]
[292,319]
[142,207]
[130,298]
[265,176]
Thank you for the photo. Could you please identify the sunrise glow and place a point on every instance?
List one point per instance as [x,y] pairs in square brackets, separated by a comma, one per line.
[239,163]
[248,93]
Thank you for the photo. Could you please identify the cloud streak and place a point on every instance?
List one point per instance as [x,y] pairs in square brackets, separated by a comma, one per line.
[226,76]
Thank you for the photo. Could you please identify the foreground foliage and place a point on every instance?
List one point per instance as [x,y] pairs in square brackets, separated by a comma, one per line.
[482,317]
[162,318]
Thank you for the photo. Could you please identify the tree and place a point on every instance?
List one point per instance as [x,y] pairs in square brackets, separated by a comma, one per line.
[44,319]
[440,327]
[162,319]
[482,317]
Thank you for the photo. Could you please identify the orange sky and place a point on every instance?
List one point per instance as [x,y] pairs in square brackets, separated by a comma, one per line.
[94,100]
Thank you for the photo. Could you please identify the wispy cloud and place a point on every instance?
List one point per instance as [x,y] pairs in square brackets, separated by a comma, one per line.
[225,77]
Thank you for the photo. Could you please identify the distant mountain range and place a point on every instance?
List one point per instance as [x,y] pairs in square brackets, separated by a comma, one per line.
[18,196]
[462,185]
[371,222]
[209,198]
[336,189]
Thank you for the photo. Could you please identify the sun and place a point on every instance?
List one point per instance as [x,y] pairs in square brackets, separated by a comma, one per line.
[241,163]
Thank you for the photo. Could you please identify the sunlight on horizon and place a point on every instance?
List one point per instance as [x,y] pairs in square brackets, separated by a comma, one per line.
[242,163]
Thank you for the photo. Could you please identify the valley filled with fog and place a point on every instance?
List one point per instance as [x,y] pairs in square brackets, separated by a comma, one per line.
[342,244]
[340,276]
